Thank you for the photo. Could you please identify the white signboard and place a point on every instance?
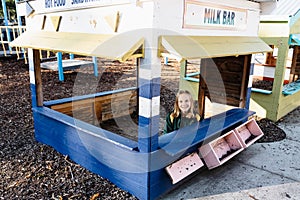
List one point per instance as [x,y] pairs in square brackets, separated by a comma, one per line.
[61,5]
[204,15]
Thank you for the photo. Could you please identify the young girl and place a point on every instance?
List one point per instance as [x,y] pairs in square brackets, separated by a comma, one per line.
[183,113]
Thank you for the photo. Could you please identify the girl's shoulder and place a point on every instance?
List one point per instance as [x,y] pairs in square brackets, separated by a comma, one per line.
[198,117]
[171,116]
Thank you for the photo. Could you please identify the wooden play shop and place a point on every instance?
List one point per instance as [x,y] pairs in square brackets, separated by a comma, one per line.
[280,28]
[219,35]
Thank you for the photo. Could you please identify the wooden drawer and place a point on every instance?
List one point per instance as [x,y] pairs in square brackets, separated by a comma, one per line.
[220,150]
[184,167]
[248,133]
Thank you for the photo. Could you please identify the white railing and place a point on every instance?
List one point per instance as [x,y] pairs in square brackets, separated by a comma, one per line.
[8,34]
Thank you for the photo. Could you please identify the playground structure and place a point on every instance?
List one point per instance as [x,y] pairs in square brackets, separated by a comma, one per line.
[280,28]
[10,32]
[116,30]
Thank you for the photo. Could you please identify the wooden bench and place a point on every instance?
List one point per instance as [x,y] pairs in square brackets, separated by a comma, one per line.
[98,107]
[257,90]
[291,88]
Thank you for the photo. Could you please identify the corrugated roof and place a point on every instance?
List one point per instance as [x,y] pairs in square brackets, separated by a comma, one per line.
[286,7]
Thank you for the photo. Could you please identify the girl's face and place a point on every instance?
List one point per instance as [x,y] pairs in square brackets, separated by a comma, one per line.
[184,103]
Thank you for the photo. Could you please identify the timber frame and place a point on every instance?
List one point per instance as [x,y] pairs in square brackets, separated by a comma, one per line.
[283,33]
[115,30]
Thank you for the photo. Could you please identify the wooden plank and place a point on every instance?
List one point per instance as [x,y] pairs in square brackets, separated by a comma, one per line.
[184,167]
[201,92]
[248,133]
[216,152]
[96,110]
[102,146]
[103,99]
[38,78]
[295,63]
[244,81]
[88,96]
[66,64]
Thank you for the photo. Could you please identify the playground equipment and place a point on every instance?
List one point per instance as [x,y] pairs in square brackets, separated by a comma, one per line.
[8,33]
[280,28]
[122,29]
[62,65]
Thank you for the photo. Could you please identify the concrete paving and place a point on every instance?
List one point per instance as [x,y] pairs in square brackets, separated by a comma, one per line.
[263,171]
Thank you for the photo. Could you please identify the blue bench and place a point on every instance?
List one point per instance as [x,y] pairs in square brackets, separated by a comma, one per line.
[261,91]
[291,88]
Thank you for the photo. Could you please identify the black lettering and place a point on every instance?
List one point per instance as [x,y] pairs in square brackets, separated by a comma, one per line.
[228,18]
[224,17]
[218,17]
[232,18]
[206,14]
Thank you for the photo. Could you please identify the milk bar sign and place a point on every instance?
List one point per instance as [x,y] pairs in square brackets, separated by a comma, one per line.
[204,15]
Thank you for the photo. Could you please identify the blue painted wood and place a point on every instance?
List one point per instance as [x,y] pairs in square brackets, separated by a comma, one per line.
[248,92]
[248,95]
[5,13]
[117,158]
[291,88]
[193,74]
[71,122]
[71,56]
[6,20]
[207,129]
[191,79]
[148,129]
[141,174]
[166,60]
[95,65]
[261,91]
[146,138]
[94,150]
[33,95]
[294,39]
[60,66]
[149,88]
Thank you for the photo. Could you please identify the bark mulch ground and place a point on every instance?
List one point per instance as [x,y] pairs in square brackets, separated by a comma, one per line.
[31,170]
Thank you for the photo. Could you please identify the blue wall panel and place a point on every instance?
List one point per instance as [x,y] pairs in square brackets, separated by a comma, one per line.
[149,88]
[94,153]
[140,173]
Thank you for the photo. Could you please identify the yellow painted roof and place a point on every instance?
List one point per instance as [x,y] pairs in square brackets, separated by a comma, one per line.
[119,47]
[192,47]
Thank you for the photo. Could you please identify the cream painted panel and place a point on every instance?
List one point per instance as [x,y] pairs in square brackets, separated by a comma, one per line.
[274,30]
[94,20]
[173,21]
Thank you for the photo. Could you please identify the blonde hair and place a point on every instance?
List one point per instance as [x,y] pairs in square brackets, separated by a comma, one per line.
[176,111]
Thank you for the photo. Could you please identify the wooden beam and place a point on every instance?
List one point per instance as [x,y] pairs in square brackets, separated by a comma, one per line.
[294,63]
[202,88]
[38,77]
[244,82]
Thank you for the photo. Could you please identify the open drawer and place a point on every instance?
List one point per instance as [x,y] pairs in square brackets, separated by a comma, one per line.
[220,150]
[248,133]
[184,167]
